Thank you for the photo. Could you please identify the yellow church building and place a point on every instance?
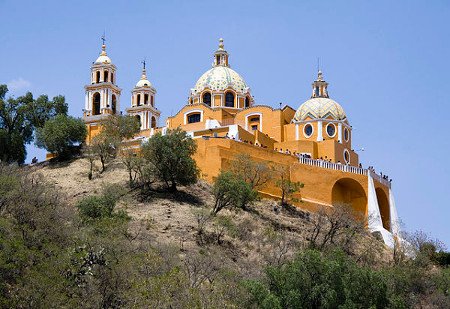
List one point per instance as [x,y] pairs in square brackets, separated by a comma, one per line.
[312,142]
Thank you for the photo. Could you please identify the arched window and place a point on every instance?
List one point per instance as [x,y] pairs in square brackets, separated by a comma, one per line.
[151,100]
[96,104]
[114,104]
[97,78]
[153,122]
[207,98]
[229,99]
[247,102]
[194,117]
[138,100]
[112,78]
[105,76]
[138,119]
[145,99]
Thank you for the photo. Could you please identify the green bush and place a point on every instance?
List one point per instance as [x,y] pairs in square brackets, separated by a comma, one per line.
[314,280]
[231,190]
[101,206]
[170,158]
[60,134]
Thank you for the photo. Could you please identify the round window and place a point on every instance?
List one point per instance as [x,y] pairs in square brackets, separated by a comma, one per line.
[308,130]
[331,130]
[346,156]
[346,134]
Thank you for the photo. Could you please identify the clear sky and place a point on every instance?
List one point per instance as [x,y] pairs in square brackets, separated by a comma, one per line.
[387,63]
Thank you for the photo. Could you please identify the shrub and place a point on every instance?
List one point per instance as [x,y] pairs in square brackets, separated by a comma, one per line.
[100,206]
[60,134]
[169,158]
[231,190]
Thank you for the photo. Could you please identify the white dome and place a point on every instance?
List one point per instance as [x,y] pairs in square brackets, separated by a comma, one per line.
[103,59]
[143,83]
[319,108]
[220,78]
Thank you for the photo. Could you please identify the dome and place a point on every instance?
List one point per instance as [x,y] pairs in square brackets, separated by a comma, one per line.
[318,108]
[143,83]
[220,78]
[103,58]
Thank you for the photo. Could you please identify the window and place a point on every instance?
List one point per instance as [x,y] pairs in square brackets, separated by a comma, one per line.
[145,99]
[346,156]
[192,118]
[105,76]
[112,77]
[207,98]
[138,119]
[114,104]
[96,104]
[97,79]
[346,134]
[138,100]
[254,119]
[308,130]
[247,102]
[151,100]
[229,99]
[254,127]
[153,122]
[331,130]
[217,59]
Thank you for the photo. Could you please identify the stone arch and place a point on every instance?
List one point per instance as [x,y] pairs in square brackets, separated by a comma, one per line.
[96,104]
[383,204]
[350,192]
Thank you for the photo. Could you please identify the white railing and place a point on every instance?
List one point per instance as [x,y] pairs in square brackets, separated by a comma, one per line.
[380,178]
[344,168]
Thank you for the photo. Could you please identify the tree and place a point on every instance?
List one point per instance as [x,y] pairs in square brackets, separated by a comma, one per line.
[60,134]
[316,280]
[20,117]
[287,186]
[170,158]
[114,129]
[231,190]
[254,173]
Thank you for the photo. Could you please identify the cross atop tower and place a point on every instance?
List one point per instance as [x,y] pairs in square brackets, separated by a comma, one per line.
[103,38]
[143,63]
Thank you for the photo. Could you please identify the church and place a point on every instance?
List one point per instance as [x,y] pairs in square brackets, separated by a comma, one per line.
[312,142]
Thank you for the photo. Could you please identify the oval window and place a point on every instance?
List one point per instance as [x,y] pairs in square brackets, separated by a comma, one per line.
[308,130]
[346,134]
[346,156]
[331,130]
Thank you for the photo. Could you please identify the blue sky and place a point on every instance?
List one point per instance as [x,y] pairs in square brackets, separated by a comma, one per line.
[386,62]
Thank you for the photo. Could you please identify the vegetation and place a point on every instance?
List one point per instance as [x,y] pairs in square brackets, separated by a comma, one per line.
[286,186]
[231,190]
[20,118]
[53,254]
[105,145]
[60,134]
[169,158]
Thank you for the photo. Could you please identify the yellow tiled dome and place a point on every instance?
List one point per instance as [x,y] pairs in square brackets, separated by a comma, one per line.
[317,108]
[220,78]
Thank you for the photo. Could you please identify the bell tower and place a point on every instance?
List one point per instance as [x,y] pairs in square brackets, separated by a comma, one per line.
[102,94]
[143,102]
[319,87]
